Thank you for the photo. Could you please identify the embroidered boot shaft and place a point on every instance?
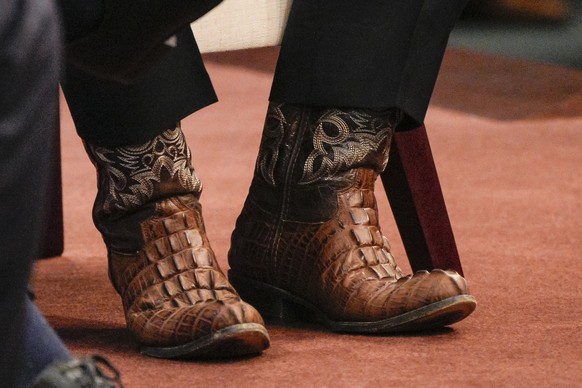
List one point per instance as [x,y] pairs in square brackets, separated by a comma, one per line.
[177,301]
[308,237]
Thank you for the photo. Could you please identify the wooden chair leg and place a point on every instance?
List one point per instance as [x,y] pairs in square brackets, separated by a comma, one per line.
[414,192]
[52,241]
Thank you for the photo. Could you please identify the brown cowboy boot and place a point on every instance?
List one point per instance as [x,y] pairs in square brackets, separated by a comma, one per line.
[308,240]
[176,299]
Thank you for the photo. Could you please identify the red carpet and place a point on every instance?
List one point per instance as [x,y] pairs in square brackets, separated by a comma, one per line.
[507,141]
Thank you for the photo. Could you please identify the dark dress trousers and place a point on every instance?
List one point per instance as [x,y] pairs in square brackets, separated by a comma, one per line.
[113,114]
[367,54]
[370,54]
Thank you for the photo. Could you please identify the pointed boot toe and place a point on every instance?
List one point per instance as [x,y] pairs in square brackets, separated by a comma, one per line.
[216,329]
[429,300]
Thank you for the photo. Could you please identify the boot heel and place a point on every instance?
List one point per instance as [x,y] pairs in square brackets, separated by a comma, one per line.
[273,303]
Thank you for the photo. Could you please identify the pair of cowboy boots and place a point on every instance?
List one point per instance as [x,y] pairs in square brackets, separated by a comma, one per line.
[307,244]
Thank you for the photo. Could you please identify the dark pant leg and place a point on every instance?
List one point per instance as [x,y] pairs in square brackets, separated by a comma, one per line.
[429,41]
[368,54]
[29,53]
[80,17]
[111,114]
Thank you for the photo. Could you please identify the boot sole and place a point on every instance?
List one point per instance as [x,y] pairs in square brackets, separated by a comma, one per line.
[278,305]
[234,341]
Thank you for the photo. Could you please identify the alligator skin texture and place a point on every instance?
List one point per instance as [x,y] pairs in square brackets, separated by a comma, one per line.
[173,290]
[160,259]
[310,224]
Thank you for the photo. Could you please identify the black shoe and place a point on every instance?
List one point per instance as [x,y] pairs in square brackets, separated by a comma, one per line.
[131,37]
[89,372]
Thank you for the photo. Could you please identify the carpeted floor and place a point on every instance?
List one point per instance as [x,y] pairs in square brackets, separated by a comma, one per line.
[507,140]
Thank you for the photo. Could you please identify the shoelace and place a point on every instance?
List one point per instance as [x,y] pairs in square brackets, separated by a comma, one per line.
[94,371]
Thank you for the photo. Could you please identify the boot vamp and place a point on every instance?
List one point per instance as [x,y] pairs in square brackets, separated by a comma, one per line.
[343,266]
[173,289]
[181,297]
[367,296]
[352,276]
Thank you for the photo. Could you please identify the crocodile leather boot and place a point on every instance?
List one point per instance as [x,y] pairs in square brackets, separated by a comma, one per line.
[308,244]
[177,301]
